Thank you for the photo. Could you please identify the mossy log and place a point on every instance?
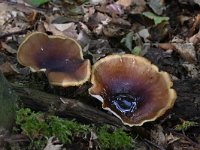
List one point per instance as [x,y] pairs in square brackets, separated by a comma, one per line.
[187,105]
[64,107]
[7,105]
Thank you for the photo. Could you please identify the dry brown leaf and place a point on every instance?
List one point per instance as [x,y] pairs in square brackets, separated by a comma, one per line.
[124,3]
[114,9]
[139,6]
[120,21]
[186,51]
[194,26]
[41,27]
[68,29]
[31,16]
[171,138]
[166,46]
[195,38]
[7,69]
[4,13]
[192,70]
[182,19]
[112,31]
[4,7]
[88,13]
[158,136]
[96,19]
[8,48]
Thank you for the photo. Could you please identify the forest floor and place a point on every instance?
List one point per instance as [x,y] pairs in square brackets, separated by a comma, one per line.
[165,32]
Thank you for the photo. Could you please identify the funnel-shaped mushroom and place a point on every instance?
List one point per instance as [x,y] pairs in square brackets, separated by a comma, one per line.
[60,57]
[132,88]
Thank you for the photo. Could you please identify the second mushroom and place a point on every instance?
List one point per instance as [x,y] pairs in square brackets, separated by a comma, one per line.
[132,88]
[61,58]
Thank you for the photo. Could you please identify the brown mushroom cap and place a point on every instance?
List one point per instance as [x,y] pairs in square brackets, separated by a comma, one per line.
[60,57]
[132,88]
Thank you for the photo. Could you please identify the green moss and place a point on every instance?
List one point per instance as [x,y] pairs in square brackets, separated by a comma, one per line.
[185,125]
[40,127]
[117,139]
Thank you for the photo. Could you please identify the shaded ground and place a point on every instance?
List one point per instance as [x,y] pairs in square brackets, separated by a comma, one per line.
[165,32]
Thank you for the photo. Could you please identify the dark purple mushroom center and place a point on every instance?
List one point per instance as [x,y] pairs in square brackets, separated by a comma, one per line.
[125,103]
[59,64]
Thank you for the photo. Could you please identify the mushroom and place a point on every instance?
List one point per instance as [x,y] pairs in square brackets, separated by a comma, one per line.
[132,88]
[59,57]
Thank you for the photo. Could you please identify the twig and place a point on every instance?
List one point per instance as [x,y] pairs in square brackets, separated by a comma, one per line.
[23,7]
[15,33]
[197,145]
[153,144]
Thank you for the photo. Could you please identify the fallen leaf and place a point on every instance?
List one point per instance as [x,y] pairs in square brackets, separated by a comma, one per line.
[171,138]
[62,27]
[114,9]
[36,3]
[157,6]
[8,48]
[159,32]
[41,27]
[96,2]
[128,40]
[83,40]
[31,16]
[7,69]
[99,29]
[195,39]
[197,2]
[88,12]
[68,29]
[138,6]
[158,136]
[192,70]
[182,19]
[144,33]
[4,15]
[124,3]
[157,19]
[121,22]
[186,51]
[166,46]
[113,31]
[51,146]
[96,19]
[93,137]
[195,25]
[136,51]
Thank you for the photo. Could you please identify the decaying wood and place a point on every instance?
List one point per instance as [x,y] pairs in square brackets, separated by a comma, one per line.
[64,107]
[7,106]
[187,105]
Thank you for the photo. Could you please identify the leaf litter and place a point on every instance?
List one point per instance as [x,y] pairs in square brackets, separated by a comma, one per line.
[160,30]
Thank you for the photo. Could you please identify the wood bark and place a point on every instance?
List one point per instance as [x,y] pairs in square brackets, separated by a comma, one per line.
[64,107]
[7,106]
